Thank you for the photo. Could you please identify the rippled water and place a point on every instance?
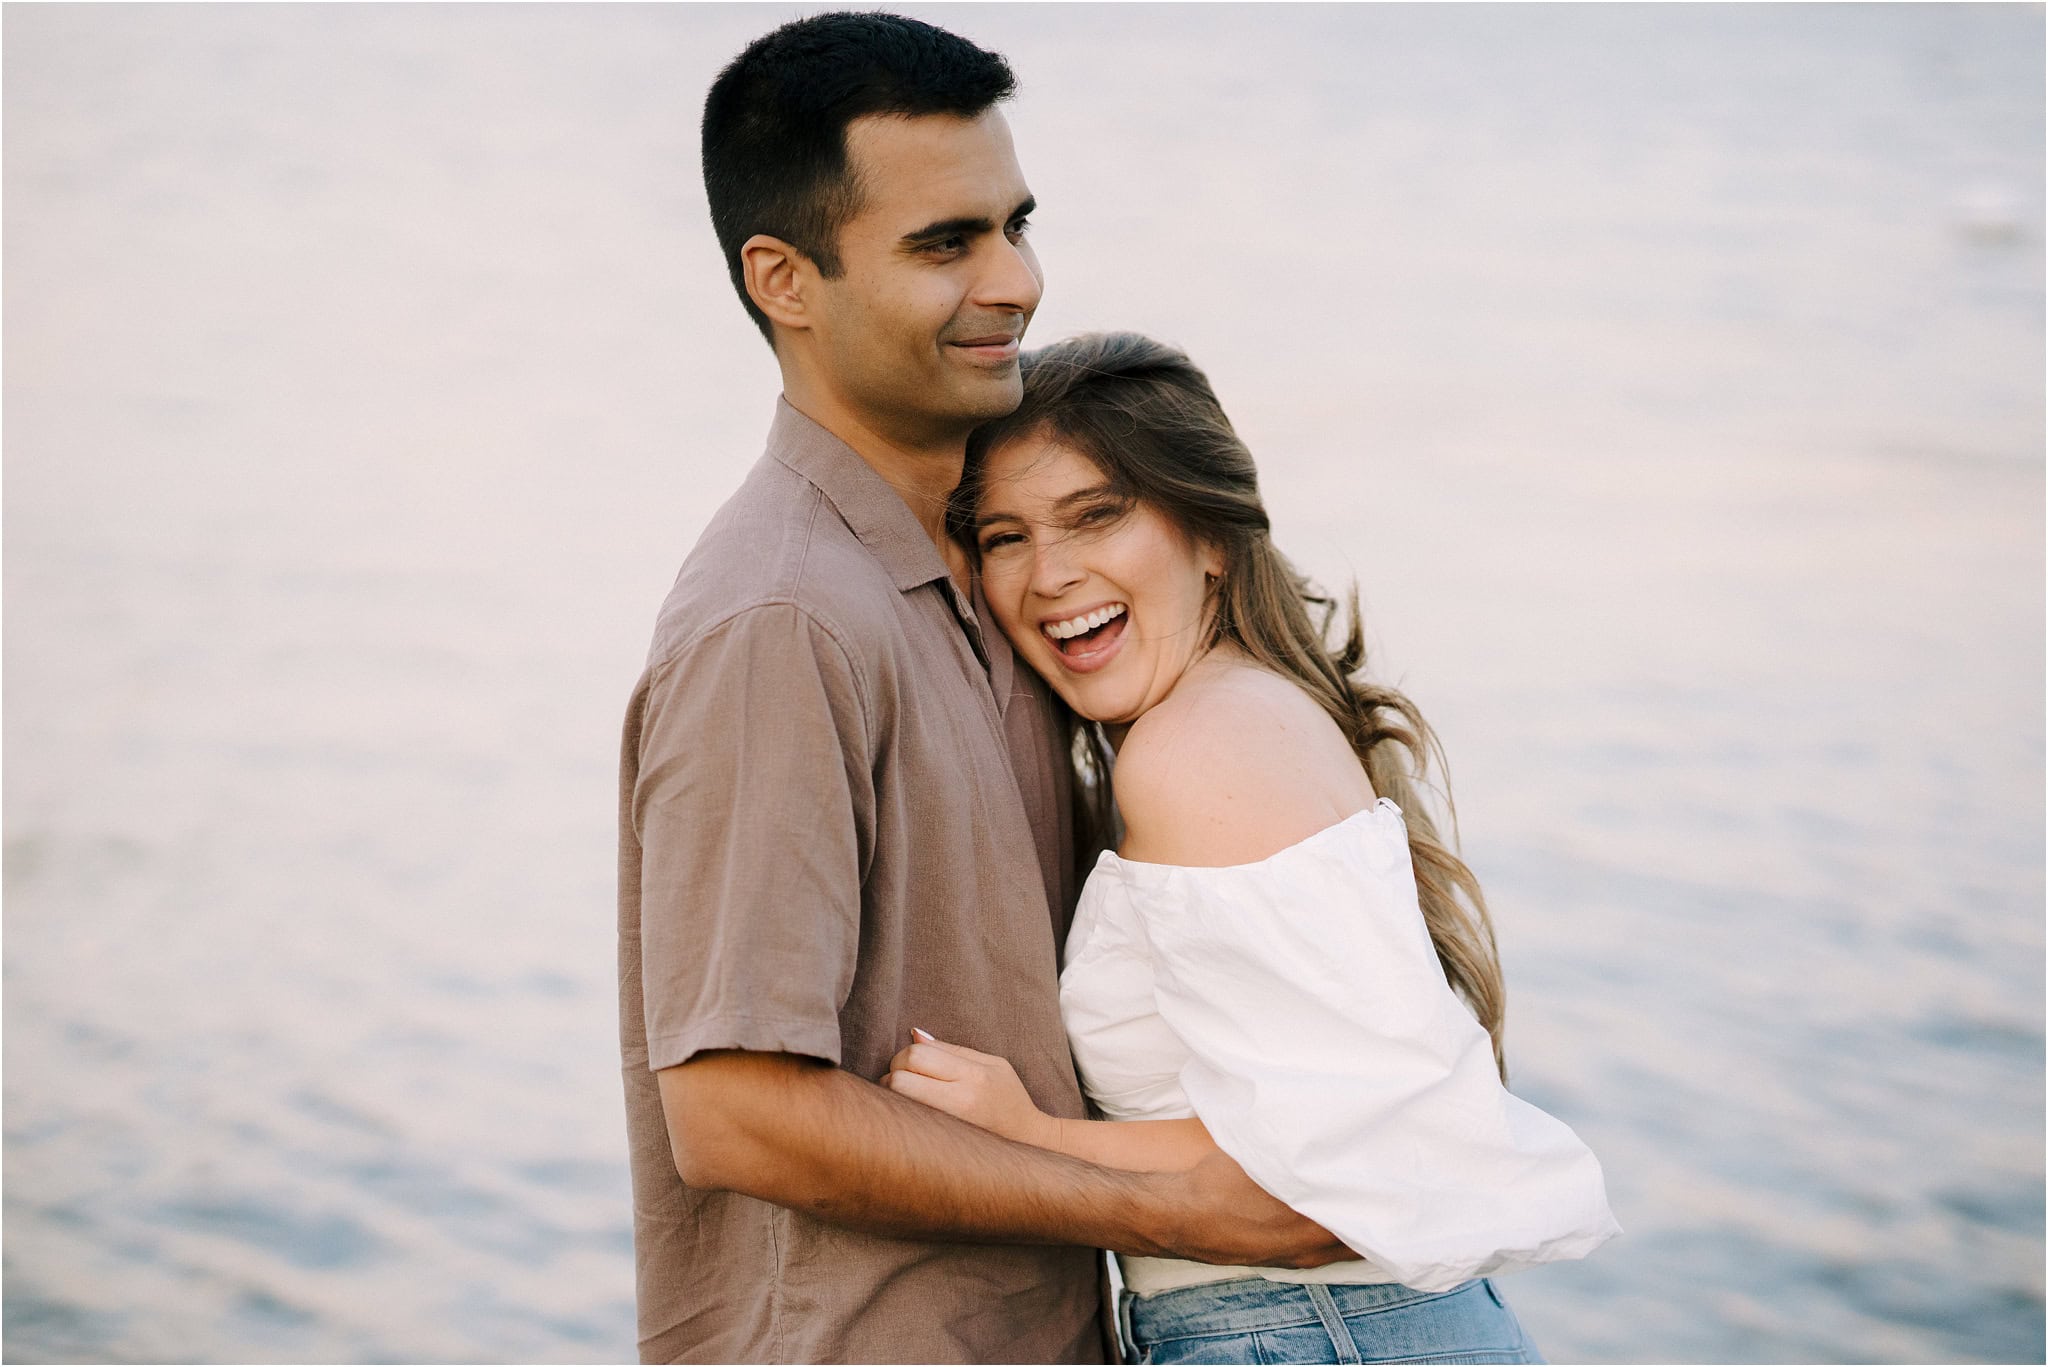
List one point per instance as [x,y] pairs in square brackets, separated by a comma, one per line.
[1670,378]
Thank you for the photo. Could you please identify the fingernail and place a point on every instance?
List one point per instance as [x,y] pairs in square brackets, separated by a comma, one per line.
[923,1036]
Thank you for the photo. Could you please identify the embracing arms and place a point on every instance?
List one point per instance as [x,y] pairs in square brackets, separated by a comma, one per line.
[802,1134]
[755,812]
[983,1090]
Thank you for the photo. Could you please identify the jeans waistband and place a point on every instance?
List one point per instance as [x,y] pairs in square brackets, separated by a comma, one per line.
[1252,1304]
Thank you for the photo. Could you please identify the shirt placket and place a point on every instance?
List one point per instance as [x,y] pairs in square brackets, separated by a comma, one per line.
[975,663]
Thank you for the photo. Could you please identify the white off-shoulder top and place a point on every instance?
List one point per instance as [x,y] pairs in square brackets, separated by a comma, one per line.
[1297,1006]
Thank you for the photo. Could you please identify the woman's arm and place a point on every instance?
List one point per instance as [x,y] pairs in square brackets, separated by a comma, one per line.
[983,1090]
[1136,1145]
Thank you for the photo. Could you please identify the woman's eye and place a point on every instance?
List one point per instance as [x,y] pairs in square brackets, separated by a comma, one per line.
[1000,540]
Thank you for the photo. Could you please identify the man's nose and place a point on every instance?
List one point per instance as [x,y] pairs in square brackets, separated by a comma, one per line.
[1012,280]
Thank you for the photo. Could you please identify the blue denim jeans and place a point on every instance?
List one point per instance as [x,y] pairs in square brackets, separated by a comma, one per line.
[1256,1320]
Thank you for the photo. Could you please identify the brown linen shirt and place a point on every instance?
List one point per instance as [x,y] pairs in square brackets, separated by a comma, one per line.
[844,810]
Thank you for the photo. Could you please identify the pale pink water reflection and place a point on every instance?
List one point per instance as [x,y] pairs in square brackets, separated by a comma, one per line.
[1670,377]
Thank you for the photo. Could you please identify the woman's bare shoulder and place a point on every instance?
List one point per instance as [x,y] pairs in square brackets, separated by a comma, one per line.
[1235,766]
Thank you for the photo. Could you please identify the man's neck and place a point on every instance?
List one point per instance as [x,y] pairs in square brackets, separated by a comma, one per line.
[923,471]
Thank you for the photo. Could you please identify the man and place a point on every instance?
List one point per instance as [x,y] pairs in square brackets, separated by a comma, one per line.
[843,803]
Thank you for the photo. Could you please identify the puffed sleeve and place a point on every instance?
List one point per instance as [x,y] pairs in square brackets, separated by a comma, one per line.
[1330,1058]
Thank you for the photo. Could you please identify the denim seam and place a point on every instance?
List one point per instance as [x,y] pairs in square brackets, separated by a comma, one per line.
[1333,1323]
[1237,1332]
[1420,1298]
[1127,1340]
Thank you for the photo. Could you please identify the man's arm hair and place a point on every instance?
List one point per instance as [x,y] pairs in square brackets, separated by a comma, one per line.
[800,1133]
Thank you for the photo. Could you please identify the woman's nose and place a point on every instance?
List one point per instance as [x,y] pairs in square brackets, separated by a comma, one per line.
[1054,571]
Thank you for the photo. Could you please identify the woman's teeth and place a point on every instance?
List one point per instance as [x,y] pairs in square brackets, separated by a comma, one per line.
[1075,626]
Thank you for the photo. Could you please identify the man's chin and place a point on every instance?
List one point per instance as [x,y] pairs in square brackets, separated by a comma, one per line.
[997,396]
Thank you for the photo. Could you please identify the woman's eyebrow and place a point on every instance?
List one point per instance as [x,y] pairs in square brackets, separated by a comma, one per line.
[1088,495]
[1061,504]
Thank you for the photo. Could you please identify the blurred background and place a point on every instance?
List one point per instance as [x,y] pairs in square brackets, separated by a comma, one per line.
[1669,378]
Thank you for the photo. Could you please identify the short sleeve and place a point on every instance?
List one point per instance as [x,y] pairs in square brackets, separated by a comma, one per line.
[1330,1058]
[754,808]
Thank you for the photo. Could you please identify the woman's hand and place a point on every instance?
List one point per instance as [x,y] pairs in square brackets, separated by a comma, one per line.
[979,1088]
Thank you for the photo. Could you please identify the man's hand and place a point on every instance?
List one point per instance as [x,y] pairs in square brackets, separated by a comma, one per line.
[1230,1219]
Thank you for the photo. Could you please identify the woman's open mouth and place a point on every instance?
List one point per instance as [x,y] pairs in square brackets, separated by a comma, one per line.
[1086,642]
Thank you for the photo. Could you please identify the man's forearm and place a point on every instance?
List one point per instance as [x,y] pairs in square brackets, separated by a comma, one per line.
[820,1140]
[816,1139]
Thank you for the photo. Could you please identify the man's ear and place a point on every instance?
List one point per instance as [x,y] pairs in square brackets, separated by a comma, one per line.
[776,275]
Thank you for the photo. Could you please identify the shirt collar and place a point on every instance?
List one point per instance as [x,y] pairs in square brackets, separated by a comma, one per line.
[872,509]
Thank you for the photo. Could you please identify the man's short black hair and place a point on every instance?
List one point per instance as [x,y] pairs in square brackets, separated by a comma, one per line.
[775,123]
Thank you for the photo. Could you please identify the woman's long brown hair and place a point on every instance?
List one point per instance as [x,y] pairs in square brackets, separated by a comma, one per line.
[1147,416]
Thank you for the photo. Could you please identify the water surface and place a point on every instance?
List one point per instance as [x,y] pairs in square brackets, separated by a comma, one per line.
[1668,377]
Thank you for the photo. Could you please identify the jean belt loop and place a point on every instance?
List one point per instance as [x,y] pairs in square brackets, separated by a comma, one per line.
[1333,1322]
[1123,1326]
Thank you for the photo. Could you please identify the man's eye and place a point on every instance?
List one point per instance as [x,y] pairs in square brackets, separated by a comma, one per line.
[1017,229]
[947,246]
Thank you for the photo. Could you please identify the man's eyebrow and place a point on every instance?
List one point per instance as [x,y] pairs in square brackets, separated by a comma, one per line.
[964,226]
[948,227]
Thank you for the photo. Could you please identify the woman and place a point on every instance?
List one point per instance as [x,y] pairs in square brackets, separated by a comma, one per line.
[1282,958]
